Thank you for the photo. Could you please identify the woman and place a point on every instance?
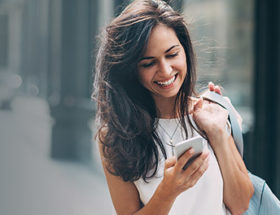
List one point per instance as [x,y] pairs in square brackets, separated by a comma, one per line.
[144,87]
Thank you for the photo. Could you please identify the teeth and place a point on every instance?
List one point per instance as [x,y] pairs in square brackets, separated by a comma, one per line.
[166,83]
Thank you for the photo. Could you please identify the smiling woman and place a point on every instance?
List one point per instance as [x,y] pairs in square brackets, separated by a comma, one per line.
[144,87]
[163,68]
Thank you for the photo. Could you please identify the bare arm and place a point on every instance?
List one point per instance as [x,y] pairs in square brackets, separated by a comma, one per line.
[126,199]
[125,195]
[238,188]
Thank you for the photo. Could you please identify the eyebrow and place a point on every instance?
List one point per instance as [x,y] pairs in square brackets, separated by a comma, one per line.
[147,58]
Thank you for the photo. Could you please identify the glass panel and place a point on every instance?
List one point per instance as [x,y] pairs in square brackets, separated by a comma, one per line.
[222,33]
[3,40]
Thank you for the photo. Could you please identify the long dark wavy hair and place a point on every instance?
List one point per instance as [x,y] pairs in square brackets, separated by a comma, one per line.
[126,112]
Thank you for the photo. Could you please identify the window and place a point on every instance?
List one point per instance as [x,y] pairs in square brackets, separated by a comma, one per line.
[3,40]
[222,33]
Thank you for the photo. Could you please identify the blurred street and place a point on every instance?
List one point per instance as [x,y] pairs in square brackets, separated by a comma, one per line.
[31,183]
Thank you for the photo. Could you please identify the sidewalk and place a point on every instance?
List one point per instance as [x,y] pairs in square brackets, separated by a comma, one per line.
[33,184]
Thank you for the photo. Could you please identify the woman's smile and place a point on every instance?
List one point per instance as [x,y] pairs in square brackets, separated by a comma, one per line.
[167,83]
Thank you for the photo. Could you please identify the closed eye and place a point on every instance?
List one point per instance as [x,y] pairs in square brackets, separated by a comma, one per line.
[172,55]
[146,65]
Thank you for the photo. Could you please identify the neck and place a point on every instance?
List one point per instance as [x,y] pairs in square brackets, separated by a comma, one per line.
[166,108]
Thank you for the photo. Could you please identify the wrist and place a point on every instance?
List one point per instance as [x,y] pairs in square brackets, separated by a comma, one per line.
[161,201]
[219,136]
[164,194]
[217,131]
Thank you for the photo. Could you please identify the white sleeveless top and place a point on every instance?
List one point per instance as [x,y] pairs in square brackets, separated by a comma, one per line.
[205,197]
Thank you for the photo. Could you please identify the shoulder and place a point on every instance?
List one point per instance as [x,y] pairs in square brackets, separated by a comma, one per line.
[100,141]
[124,194]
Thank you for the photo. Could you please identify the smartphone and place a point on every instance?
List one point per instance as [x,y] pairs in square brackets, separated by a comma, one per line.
[197,143]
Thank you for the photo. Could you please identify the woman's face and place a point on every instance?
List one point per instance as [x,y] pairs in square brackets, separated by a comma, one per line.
[163,67]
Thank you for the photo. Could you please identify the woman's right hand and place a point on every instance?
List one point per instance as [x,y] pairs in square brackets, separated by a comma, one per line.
[176,180]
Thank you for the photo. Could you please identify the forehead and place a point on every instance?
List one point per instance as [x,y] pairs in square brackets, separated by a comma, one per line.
[161,38]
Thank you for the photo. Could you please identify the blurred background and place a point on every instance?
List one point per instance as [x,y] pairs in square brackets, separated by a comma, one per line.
[49,163]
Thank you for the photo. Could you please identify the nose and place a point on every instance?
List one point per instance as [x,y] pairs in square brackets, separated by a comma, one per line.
[165,68]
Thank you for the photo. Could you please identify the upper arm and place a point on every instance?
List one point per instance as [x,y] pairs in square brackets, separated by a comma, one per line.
[125,196]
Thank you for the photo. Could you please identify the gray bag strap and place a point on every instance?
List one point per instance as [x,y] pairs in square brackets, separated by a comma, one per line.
[235,128]
[263,202]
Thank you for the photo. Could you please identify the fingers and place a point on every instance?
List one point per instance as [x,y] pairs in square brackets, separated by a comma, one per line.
[198,104]
[199,172]
[195,166]
[211,86]
[184,159]
[178,179]
[215,88]
[218,90]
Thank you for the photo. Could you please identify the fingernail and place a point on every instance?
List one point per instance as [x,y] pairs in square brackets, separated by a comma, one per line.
[191,151]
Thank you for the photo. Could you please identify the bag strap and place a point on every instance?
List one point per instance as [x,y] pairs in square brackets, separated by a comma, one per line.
[235,128]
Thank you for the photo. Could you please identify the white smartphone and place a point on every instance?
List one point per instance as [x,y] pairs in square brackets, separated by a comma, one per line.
[197,143]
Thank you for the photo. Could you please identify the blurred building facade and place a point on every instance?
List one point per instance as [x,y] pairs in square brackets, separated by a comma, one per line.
[47,50]
[49,44]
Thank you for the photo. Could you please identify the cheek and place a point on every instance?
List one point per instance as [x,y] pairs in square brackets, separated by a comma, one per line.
[182,65]
[144,78]
[181,61]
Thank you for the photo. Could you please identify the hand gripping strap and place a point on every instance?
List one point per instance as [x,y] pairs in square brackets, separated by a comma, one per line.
[235,128]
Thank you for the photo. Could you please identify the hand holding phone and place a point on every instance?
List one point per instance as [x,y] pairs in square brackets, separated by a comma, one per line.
[197,143]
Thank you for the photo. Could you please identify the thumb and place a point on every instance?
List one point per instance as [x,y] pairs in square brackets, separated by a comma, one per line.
[198,104]
[170,162]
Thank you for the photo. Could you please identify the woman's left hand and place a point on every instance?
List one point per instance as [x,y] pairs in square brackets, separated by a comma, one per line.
[210,117]
[217,89]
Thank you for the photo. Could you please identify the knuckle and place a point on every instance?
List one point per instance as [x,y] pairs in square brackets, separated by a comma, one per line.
[186,157]
[188,153]
[181,160]
[180,183]
[192,183]
[194,166]
[201,171]
[205,167]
